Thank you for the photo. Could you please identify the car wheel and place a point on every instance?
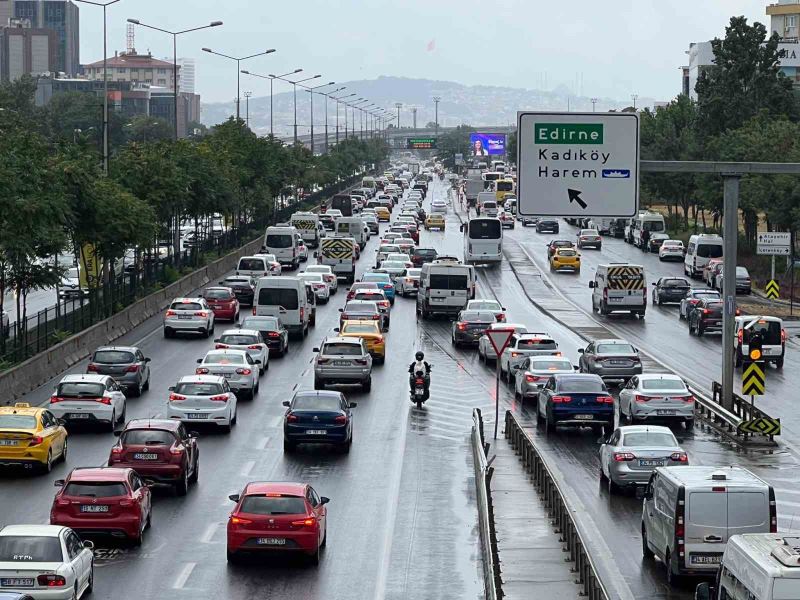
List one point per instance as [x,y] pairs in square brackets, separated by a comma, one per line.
[319,384]
[167,333]
[113,422]
[205,332]
[182,485]
[226,428]
[90,583]
[314,558]
[739,358]
[549,424]
[367,385]
[289,446]
[646,552]
[655,298]
[146,385]
[779,363]
[699,330]
[195,472]
[231,557]
[691,328]
[613,488]
[681,316]
[64,451]
[689,424]
[48,464]
[673,578]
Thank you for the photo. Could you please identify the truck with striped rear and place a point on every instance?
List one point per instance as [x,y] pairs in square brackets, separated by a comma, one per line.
[619,287]
[307,225]
[339,253]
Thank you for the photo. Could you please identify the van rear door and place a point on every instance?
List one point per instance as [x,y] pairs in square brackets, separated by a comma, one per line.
[449,290]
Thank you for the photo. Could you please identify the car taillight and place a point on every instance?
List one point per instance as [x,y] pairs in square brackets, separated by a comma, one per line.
[220,398]
[461,326]
[360,361]
[243,371]
[201,371]
[706,311]
[92,368]
[220,346]
[679,457]
[605,294]
[240,521]
[419,381]
[340,419]
[388,286]
[773,512]
[253,310]
[273,334]
[55,399]
[254,347]
[291,417]
[624,456]
[176,450]
[173,397]
[201,313]
[740,335]
[783,336]
[640,398]
[35,440]
[103,400]
[379,339]
[605,400]
[561,399]
[126,502]
[375,317]
[171,313]
[680,514]
[307,522]
[51,580]
[500,316]
[515,354]
[532,378]
[116,451]
[323,361]
[302,313]
[688,398]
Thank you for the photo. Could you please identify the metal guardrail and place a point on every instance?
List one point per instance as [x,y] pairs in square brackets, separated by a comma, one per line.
[743,409]
[558,508]
[483,477]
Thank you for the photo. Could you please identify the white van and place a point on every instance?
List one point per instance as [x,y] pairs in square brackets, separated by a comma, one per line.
[773,338]
[307,225]
[353,227]
[702,247]
[602,224]
[281,240]
[647,221]
[285,298]
[487,204]
[255,266]
[757,566]
[619,287]
[445,287]
[689,513]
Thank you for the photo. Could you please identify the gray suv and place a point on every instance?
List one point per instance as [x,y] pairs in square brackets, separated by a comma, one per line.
[612,359]
[126,364]
[343,360]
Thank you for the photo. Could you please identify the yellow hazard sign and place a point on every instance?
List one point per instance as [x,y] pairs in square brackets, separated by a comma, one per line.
[762,425]
[337,247]
[772,289]
[753,380]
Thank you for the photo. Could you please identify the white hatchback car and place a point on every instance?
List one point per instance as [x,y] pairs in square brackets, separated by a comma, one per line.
[189,315]
[247,340]
[88,398]
[47,562]
[203,399]
[321,288]
[236,366]
[327,274]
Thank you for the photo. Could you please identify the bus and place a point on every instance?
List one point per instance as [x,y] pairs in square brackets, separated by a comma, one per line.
[483,241]
[502,188]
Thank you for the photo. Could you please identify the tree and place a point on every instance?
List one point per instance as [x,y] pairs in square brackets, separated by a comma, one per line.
[744,80]
[454,142]
[144,128]
[511,147]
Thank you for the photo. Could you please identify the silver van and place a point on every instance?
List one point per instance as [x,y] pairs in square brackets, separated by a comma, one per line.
[688,514]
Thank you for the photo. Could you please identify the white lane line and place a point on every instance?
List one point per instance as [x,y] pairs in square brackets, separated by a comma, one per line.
[208,534]
[278,421]
[262,445]
[247,467]
[183,576]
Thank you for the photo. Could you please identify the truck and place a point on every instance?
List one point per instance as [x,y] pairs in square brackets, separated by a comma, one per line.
[351,227]
[344,203]
[414,168]
[307,225]
[474,186]
[339,253]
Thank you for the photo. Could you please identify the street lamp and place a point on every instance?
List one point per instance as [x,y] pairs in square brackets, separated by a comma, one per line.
[398,106]
[105,78]
[247,110]
[356,105]
[238,66]
[310,90]
[436,100]
[294,86]
[272,78]
[175,35]
[634,97]
[594,102]
[338,100]
[328,95]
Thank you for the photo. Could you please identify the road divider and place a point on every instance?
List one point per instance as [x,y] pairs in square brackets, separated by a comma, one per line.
[483,478]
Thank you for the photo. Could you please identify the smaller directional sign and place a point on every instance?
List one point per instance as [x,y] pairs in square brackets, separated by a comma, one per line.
[774,243]
[762,425]
[499,339]
[773,289]
[753,380]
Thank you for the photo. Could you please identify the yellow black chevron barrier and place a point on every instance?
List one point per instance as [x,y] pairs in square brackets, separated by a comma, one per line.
[626,278]
[753,379]
[762,425]
[772,289]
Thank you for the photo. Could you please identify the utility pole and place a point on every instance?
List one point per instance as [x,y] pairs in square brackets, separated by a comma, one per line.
[398,106]
[436,100]
[594,101]
[247,107]
[414,116]
[635,97]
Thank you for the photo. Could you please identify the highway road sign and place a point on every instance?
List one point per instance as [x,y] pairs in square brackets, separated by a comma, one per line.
[753,381]
[421,143]
[775,243]
[772,289]
[578,164]
[499,339]
[762,425]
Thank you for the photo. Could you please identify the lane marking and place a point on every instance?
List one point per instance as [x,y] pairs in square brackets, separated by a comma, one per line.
[247,467]
[183,576]
[262,445]
[208,534]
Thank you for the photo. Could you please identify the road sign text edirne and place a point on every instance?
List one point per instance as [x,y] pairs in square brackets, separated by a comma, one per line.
[578,164]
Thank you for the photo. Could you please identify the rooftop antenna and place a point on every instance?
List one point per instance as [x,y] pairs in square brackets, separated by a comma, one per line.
[129,38]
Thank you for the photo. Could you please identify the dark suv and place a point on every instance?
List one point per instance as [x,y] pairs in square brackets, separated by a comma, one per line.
[420,256]
[706,315]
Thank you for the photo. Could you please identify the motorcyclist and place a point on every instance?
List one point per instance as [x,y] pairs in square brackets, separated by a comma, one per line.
[419,367]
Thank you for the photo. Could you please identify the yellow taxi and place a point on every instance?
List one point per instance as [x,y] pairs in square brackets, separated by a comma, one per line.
[383,213]
[31,437]
[565,258]
[434,222]
[370,332]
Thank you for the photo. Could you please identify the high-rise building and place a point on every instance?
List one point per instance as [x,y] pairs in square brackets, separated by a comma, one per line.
[186,75]
[6,12]
[26,51]
[61,16]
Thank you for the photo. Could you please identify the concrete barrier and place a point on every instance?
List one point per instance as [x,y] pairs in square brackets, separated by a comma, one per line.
[37,370]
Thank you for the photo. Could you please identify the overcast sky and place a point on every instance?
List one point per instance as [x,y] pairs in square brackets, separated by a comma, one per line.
[608,49]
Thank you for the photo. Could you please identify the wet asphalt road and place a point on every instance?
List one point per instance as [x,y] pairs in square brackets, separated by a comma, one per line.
[402,514]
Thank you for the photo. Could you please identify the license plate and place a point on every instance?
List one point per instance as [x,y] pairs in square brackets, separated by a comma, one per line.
[16,582]
[341,363]
[705,559]
[316,432]
[8,442]
[94,508]
[78,416]
[145,456]
[197,415]
[271,541]
[419,391]
[665,412]
[583,417]
[184,317]
[615,299]
[617,362]
[651,463]
[438,299]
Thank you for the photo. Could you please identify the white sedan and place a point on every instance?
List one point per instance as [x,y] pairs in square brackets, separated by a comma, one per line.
[88,398]
[671,250]
[327,274]
[248,340]
[438,206]
[203,399]
[321,288]
[48,562]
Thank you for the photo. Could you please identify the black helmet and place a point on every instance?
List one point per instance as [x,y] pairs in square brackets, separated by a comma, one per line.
[420,355]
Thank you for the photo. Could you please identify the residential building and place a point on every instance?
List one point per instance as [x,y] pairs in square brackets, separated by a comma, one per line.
[62,17]
[784,17]
[136,68]
[26,51]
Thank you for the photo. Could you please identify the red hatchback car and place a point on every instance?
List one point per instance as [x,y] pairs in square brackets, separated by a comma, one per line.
[103,500]
[158,449]
[277,517]
[223,302]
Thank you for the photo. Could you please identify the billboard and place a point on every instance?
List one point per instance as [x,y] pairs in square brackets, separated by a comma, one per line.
[421,143]
[487,144]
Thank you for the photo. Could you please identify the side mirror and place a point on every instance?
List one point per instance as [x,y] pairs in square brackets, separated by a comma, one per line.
[234,497]
[315,349]
[62,421]
[88,544]
[341,310]
[336,329]
[117,432]
[576,367]
[199,361]
[592,284]
[216,340]
[581,350]
[461,228]
[147,360]
[286,403]
[324,500]
[194,434]
[702,591]
[171,388]
[352,405]
[257,361]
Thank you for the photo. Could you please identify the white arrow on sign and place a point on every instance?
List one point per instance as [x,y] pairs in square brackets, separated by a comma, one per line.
[499,339]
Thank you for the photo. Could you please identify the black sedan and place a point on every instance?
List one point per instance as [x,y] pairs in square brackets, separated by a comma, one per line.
[470,326]
[670,289]
[244,288]
[547,226]
[705,316]
[273,332]
[318,417]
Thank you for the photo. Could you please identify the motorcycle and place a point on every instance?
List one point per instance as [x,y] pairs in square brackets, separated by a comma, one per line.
[419,389]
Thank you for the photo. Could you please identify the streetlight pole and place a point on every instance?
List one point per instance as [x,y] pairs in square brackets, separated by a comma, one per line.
[327,96]
[594,102]
[175,35]
[398,106]
[238,67]
[294,89]
[272,78]
[105,5]
[635,97]
[436,100]
[247,110]
[310,90]
[338,101]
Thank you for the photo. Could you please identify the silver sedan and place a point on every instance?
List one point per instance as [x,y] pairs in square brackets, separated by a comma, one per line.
[630,455]
[533,372]
[486,350]
[657,397]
